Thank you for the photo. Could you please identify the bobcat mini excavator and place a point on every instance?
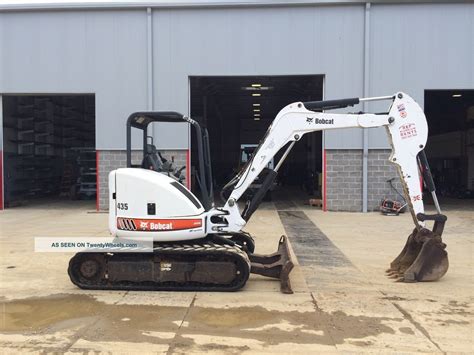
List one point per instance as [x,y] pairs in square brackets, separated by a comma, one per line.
[199,246]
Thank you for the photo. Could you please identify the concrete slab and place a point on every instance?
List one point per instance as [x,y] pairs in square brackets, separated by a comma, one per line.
[366,320]
[441,312]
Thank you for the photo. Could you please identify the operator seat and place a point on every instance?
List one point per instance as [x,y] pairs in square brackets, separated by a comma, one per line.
[151,160]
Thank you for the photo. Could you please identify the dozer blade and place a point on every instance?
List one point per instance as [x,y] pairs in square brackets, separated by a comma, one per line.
[277,265]
[423,258]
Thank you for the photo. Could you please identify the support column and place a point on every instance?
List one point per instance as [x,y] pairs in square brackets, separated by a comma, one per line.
[365,137]
[149,66]
[149,57]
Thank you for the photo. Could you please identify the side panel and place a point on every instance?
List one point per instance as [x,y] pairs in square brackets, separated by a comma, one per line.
[137,188]
[148,203]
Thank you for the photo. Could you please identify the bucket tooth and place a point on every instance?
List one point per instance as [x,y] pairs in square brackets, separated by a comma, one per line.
[277,265]
[408,255]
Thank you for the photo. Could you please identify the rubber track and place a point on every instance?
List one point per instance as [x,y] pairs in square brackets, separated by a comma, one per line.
[206,249]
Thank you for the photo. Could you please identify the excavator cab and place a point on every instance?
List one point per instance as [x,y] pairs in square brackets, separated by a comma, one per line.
[152,158]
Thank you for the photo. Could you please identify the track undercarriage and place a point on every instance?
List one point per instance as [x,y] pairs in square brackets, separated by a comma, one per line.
[214,263]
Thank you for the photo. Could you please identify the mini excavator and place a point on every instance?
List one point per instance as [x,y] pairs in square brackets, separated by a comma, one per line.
[199,246]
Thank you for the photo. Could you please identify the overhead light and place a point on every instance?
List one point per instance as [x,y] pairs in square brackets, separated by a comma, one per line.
[256,94]
[256,110]
[257,88]
[256,118]
[256,105]
[256,115]
[256,85]
[457,95]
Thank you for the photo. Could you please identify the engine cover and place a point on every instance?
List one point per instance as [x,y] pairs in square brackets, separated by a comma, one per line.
[148,203]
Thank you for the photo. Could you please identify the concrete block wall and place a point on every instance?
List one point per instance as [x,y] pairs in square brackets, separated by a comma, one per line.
[113,159]
[379,170]
[344,179]
[344,176]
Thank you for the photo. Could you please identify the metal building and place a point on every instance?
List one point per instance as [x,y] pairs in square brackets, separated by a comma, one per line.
[105,60]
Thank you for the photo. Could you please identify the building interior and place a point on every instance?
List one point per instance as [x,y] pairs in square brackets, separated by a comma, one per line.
[237,110]
[48,148]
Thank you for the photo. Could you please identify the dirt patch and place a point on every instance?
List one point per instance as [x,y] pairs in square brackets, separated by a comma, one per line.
[361,342]
[224,348]
[347,326]
[393,298]
[453,308]
[398,298]
[406,330]
[451,321]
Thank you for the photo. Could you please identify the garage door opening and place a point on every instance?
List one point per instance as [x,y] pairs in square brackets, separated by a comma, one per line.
[237,110]
[48,149]
[450,148]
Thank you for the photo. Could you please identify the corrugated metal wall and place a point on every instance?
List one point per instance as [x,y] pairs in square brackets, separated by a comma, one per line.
[101,52]
[258,41]
[412,48]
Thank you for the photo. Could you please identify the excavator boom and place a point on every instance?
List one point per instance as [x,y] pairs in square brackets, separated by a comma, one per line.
[407,132]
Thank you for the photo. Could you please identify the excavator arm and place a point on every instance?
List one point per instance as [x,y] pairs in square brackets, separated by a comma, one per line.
[407,132]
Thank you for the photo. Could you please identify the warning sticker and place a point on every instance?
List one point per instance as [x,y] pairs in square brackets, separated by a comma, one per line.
[408,130]
[402,111]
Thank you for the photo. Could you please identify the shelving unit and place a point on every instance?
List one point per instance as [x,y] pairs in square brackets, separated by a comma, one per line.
[43,140]
[87,178]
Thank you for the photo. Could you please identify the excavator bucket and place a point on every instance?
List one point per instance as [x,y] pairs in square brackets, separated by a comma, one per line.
[277,265]
[423,258]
